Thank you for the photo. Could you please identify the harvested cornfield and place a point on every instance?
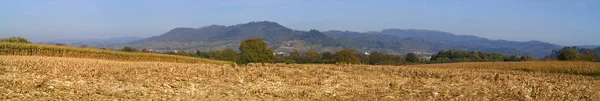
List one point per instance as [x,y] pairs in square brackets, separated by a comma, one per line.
[26,49]
[47,78]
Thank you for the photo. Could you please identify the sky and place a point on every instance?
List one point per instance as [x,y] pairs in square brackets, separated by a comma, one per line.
[562,22]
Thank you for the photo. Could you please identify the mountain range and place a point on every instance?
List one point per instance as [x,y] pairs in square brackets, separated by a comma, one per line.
[283,39]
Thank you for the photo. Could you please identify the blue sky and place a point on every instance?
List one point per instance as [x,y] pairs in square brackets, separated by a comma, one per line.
[563,22]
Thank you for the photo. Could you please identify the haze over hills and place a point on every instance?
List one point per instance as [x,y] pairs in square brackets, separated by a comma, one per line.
[445,40]
[588,46]
[283,39]
[113,40]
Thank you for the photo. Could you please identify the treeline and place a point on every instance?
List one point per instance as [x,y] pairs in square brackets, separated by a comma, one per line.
[255,50]
[379,58]
[226,55]
[575,54]
[448,56]
[347,56]
[375,58]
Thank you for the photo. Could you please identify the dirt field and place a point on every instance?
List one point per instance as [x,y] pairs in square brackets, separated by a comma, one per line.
[46,78]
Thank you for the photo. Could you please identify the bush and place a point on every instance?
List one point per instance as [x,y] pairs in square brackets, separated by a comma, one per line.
[346,56]
[129,49]
[380,58]
[589,56]
[227,55]
[182,53]
[15,39]
[527,58]
[289,61]
[145,50]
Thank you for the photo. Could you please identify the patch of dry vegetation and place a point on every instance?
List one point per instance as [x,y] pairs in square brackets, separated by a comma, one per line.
[562,67]
[44,78]
[26,49]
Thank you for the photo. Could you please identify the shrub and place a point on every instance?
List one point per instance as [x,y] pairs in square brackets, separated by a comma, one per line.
[182,53]
[145,50]
[346,56]
[129,49]
[289,61]
[227,55]
[527,58]
[589,56]
[15,39]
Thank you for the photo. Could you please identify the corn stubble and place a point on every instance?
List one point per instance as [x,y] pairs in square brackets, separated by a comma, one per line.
[45,78]
[26,49]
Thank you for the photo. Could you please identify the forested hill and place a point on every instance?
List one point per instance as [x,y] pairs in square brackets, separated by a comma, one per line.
[437,40]
[283,39]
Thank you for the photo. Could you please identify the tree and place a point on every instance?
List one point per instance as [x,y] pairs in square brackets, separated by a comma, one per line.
[376,58]
[202,54]
[412,57]
[227,55]
[254,50]
[182,53]
[346,56]
[568,55]
[441,60]
[513,58]
[589,56]
[129,49]
[327,57]
[597,52]
[380,58]
[313,55]
[527,58]
[308,57]
[295,54]
[145,50]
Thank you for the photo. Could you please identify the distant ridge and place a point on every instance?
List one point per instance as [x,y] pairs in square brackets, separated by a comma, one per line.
[281,38]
